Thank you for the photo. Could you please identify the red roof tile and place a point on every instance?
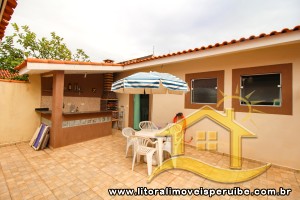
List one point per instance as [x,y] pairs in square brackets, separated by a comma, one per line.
[6,16]
[68,62]
[5,74]
[137,59]
[148,58]
[252,37]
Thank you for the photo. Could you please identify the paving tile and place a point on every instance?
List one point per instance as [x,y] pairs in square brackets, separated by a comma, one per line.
[102,189]
[87,195]
[165,178]
[129,178]
[87,170]
[21,179]
[5,195]
[3,187]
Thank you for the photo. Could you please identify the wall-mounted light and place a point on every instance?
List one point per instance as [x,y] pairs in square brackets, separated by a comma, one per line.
[85,75]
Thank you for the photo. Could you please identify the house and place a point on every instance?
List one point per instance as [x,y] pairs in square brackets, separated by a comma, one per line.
[256,76]
[264,70]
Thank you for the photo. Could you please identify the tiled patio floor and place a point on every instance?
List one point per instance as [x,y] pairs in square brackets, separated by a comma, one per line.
[87,170]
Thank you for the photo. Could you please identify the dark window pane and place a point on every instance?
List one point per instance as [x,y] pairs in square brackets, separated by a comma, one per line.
[261,89]
[204,90]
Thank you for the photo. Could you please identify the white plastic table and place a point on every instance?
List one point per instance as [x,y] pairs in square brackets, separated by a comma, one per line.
[151,133]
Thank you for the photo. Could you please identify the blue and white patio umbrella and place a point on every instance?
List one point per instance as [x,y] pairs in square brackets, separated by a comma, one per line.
[150,83]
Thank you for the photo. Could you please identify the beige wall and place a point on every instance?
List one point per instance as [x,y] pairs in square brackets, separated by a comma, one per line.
[83,103]
[124,101]
[278,136]
[18,119]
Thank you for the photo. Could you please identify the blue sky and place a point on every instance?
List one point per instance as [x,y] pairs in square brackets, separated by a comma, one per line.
[122,30]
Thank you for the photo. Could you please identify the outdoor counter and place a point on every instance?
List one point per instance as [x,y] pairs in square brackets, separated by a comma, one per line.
[79,126]
[47,112]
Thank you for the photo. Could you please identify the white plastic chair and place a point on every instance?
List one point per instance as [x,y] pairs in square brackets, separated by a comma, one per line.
[141,148]
[128,132]
[147,125]
[174,129]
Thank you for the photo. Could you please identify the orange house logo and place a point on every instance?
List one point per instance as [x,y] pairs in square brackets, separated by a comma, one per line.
[237,132]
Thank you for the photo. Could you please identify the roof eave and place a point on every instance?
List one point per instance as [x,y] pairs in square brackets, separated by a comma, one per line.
[6,11]
[38,68]
[265,42]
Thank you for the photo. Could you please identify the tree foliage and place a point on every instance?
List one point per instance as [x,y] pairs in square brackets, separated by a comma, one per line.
[24,43]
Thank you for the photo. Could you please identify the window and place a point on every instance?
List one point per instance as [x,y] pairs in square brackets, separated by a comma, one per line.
[268,89]
[262,89]
[206,88]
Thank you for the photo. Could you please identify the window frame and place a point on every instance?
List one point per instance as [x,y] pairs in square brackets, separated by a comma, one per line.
[285,71]
[205,75]
[192,82]
[280,89]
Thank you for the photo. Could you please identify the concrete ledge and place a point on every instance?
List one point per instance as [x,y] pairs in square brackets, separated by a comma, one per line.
[13,81]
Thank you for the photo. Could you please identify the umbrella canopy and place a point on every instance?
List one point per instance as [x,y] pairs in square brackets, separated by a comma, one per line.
[150,83]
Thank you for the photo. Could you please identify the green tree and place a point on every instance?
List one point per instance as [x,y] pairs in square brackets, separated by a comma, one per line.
[10,56]
[24,43]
